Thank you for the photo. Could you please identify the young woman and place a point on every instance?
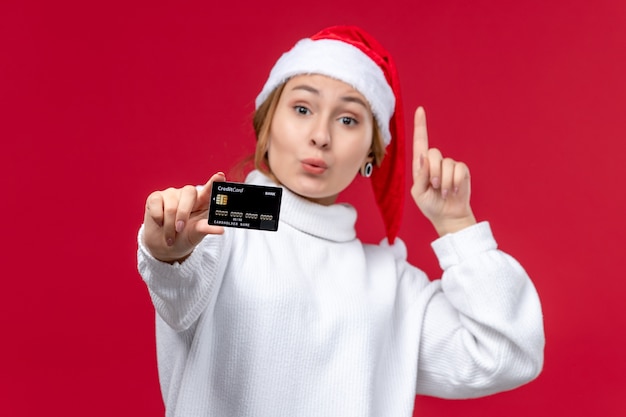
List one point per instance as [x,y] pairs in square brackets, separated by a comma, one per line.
[309,321]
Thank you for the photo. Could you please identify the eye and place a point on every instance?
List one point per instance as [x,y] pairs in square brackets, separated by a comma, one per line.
[301,110]
[348,121]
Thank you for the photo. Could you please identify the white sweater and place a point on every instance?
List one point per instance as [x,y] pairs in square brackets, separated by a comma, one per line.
[308,321]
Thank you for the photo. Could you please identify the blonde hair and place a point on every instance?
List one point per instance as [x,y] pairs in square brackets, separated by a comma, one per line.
[262,121]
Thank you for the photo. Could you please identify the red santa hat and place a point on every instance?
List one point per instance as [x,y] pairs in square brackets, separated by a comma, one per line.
[349,54]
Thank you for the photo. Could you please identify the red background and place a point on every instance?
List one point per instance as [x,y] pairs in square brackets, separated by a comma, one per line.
[102,103]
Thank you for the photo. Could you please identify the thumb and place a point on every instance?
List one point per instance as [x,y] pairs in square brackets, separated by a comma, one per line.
[202,228]
[204,196]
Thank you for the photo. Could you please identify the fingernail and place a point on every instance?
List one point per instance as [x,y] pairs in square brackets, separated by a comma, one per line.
[456,190]
[180,225]
[170,241]
[444,193]
[435,182]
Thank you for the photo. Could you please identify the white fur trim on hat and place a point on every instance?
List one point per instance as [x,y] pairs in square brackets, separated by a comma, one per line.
[342,61]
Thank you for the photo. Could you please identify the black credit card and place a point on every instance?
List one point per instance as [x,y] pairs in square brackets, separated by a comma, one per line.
[246,206]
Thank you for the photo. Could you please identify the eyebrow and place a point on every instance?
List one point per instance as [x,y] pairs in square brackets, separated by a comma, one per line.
[348,99]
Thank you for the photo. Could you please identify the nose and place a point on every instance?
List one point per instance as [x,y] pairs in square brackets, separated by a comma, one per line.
[320,136]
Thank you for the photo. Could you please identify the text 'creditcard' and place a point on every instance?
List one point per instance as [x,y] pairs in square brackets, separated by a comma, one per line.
[244,205]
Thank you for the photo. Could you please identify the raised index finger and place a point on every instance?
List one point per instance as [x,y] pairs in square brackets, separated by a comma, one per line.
[420,133]
[420,138]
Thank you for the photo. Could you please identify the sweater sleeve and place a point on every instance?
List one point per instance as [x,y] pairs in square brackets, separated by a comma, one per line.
[483,331]
[180,292]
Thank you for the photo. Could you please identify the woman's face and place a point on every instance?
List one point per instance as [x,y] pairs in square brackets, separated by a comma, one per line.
[320,136]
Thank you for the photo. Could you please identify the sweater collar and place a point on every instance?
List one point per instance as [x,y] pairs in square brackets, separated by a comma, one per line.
[335,222]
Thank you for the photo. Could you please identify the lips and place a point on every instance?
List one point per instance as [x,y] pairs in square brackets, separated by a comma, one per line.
[314,166]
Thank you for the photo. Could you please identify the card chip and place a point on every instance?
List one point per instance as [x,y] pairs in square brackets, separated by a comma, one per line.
[221,199]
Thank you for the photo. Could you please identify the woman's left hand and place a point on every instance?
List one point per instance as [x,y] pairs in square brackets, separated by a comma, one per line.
[441,186]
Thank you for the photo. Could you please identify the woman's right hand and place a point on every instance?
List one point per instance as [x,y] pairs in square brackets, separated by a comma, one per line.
[175,220]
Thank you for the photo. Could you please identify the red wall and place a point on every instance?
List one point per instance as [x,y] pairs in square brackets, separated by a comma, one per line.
[100,103]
